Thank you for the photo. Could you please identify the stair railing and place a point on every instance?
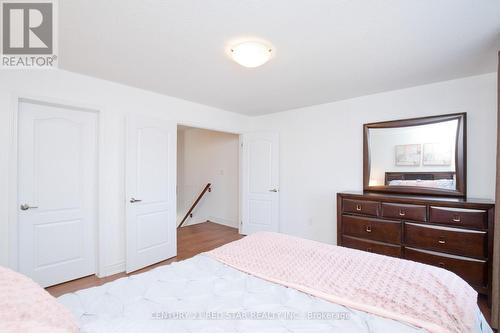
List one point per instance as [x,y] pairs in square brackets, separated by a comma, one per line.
[190,211]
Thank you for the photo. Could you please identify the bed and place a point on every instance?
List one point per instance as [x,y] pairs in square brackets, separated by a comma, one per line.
[238,288]
[442,180]
[27,308]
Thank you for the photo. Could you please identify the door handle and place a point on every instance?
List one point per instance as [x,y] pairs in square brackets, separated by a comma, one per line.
[134,200]
[274,190]
[26,207]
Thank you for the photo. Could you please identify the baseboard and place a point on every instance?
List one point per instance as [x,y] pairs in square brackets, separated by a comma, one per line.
[225,222]
[193,221]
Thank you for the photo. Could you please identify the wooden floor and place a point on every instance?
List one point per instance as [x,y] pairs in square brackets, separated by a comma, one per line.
[191,240]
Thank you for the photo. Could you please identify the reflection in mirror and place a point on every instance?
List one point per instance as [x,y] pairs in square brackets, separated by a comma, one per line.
[416,156]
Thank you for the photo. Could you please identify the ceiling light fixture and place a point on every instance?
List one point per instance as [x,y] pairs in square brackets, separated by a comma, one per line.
[251,54]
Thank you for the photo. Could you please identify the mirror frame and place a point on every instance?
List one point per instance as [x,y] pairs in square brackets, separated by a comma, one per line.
[460,156]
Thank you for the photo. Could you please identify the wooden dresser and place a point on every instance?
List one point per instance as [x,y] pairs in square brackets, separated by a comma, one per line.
[454,234]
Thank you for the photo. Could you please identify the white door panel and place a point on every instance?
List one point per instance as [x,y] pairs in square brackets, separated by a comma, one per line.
[150,188]
[57,176]
[260,188]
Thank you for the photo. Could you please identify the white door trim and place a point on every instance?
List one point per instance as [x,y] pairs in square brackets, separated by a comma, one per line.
[13,225]
[209,128]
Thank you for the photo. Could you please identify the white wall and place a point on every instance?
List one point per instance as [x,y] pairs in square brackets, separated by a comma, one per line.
[114,101]
[203,157]
[321,146]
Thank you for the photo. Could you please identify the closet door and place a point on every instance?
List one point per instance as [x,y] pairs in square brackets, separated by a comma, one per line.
[150,192]
[57,192]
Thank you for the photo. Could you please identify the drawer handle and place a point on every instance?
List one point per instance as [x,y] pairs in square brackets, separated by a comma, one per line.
[456,218]
[368,228]
[402,212]
[358,207]
[441,241]
[369,249]
[441,264]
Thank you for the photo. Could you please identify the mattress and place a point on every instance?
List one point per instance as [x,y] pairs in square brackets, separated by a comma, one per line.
[203,295]
[447,184]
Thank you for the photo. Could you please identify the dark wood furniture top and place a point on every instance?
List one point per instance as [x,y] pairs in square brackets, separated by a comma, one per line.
[460,156]
[390,176]
[451,233]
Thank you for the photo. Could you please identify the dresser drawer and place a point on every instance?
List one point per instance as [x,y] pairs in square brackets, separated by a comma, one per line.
[371,246]
[459,217]
[374,229]
[361,207]
[404,212]
[450,240]
[471,270]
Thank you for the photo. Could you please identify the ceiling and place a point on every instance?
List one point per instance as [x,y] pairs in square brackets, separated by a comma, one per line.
[325,50]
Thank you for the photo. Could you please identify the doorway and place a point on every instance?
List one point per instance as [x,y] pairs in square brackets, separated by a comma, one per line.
[207,177]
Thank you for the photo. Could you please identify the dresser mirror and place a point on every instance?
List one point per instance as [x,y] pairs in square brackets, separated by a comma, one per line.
[416,156]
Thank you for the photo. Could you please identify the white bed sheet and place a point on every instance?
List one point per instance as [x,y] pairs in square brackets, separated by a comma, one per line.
[161,299]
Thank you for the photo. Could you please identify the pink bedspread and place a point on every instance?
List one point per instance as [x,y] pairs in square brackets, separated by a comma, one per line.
[418,294]
[27,308]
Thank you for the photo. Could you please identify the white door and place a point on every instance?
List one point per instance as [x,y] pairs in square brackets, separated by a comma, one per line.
[150,191]
[260,182]
[57,192]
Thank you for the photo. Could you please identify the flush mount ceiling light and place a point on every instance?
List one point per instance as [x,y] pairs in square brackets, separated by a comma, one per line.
[251,54]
